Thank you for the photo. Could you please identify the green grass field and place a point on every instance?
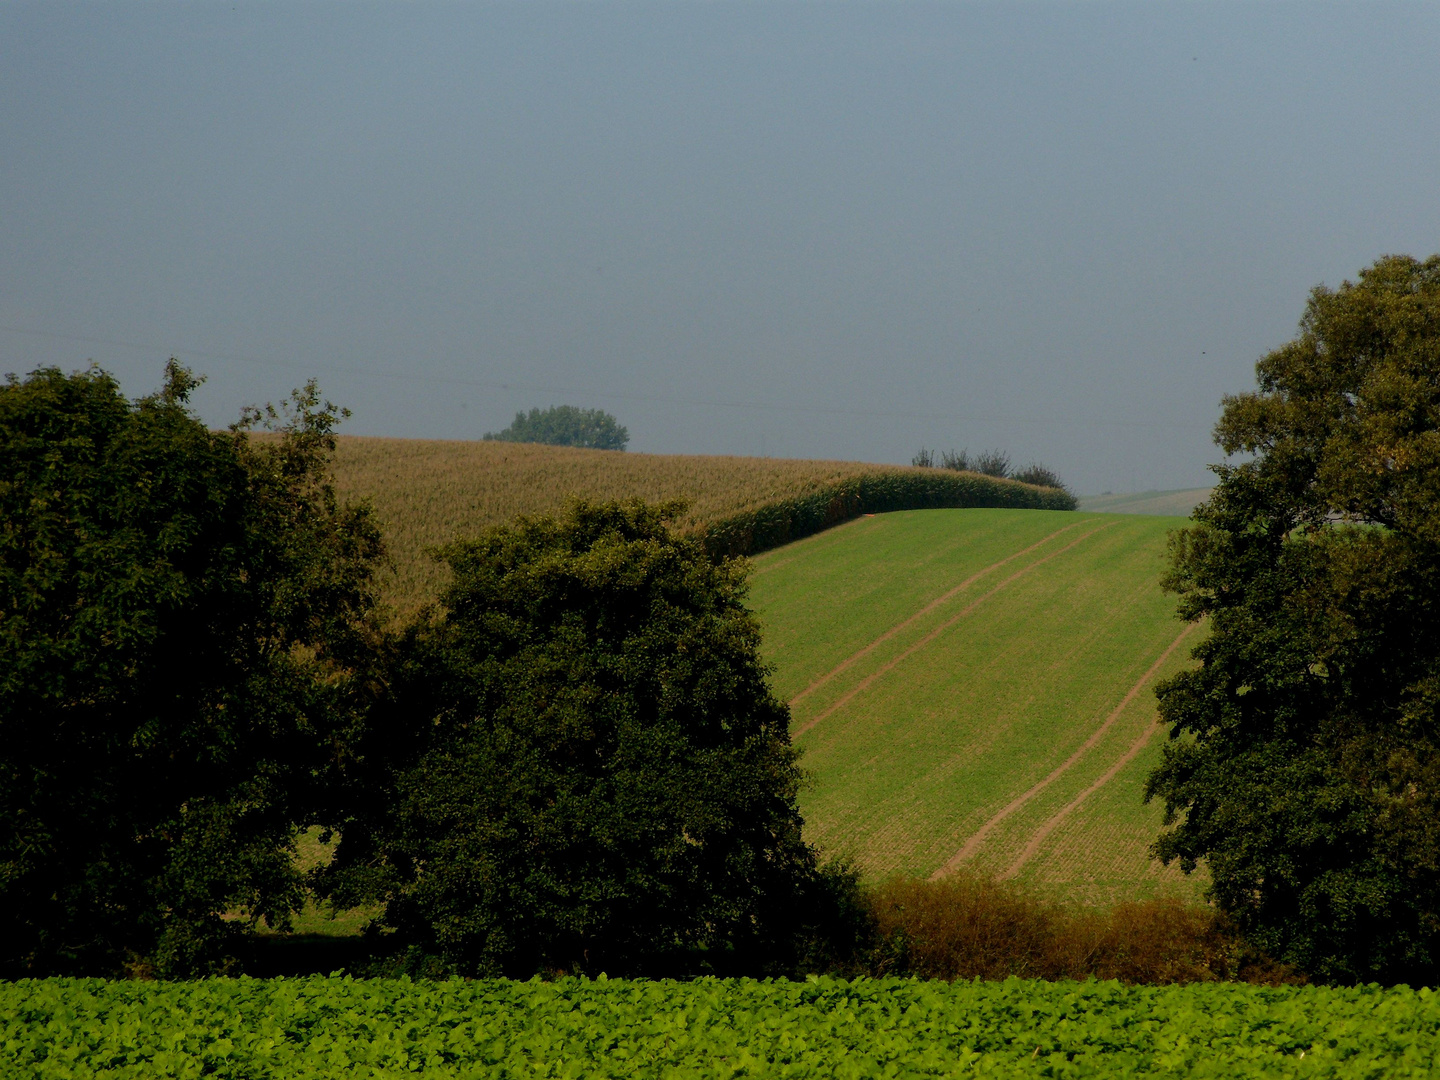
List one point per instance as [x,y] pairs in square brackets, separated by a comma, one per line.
[975,688]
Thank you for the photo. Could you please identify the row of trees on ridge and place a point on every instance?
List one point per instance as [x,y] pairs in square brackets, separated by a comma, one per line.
[994,463]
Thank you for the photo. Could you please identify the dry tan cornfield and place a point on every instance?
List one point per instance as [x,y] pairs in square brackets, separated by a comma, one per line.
[429,492]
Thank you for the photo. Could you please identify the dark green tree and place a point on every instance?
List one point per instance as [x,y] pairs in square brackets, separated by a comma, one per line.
[565,425]
[184,642]
[582,766]
[1304,766]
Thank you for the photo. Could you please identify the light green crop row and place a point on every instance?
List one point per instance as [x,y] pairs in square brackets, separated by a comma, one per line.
[337,1027]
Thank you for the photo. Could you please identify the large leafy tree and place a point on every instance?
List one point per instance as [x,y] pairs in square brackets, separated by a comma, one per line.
[184,643]
[582,765]
[1305,764]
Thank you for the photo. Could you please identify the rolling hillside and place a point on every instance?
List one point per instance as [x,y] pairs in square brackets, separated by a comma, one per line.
[430,492]
[974,688]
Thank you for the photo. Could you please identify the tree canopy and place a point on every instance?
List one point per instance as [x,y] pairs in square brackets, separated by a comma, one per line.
[581,766]
[1304,768]
[565,425]
[184,639]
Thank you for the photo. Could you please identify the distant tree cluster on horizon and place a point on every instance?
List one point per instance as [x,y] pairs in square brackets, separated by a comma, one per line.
[565,425]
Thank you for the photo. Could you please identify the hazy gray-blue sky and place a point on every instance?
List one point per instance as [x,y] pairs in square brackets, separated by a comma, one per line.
[802,229]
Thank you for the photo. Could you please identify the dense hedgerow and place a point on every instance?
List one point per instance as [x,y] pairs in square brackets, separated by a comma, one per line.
[794,518]
[321,1028]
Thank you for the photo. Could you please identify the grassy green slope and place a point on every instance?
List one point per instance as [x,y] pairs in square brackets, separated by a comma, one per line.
[970,656]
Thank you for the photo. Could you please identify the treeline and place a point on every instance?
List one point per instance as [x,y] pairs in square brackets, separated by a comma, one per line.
[783,520]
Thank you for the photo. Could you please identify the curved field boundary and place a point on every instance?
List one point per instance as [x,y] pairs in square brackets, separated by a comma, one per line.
[783,520]
[972,845]
[809,545]
[891,664]
[931,606]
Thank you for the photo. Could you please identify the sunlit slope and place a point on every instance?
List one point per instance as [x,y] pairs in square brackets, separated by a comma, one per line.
[975,688]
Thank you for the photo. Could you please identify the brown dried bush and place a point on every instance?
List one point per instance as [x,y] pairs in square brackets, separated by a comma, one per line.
[966,926]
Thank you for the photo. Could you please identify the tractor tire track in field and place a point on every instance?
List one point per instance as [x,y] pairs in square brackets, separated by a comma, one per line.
[1043,833]
[890,665]
[931,606]
[973,844]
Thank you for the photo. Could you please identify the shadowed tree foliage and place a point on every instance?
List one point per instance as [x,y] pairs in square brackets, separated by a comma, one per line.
[182,631]
[582,766]
[565,425]
[1305,761]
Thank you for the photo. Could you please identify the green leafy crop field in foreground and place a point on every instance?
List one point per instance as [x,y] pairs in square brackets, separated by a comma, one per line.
[976,688]
[313,1028]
